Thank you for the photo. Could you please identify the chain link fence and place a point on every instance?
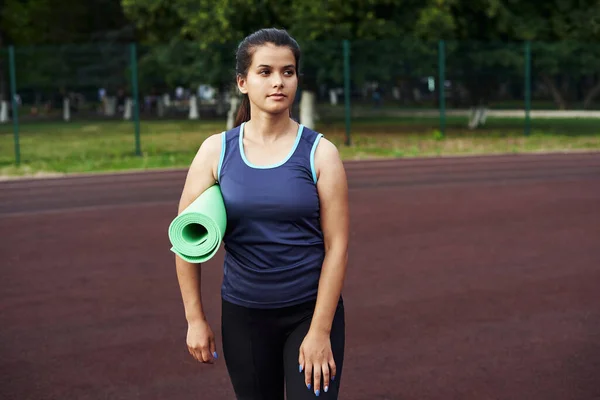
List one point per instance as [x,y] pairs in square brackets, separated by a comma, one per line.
[397,87]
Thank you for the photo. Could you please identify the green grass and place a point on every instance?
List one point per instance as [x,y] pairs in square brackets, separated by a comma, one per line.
[76,147]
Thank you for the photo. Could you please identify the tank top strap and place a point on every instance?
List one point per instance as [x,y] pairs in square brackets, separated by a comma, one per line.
[307,148]
[229,148]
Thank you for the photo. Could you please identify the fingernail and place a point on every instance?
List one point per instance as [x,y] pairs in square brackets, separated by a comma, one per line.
[333,378]
[326,389]
[215,355]
[317,393]
[299,368]
[308,386]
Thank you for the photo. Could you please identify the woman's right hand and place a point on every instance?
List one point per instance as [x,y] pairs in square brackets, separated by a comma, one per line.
[201,342]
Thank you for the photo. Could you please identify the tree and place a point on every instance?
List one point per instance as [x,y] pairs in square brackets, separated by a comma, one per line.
[566,56]
[52,44]
[37,22]
[484,39]
[318,27]
[487,38]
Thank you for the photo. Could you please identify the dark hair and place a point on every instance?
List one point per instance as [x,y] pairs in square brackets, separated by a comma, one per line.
[245,52]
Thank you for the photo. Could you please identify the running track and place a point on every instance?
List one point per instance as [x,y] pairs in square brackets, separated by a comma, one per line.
[474,278]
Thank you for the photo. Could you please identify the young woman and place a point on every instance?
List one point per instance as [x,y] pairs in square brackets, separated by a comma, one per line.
[285,193]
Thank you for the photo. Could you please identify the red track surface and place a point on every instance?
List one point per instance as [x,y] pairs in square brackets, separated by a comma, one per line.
[475,278]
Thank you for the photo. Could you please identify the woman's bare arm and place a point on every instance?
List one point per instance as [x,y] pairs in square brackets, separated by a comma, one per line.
[315,355]
[202,174]
[333,196]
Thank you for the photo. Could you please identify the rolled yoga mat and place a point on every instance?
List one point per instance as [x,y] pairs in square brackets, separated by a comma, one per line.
[196,233]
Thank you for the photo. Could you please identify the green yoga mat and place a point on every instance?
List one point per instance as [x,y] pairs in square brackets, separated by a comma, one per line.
[196,233]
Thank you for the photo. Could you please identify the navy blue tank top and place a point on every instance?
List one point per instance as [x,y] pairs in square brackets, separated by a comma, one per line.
[274,246]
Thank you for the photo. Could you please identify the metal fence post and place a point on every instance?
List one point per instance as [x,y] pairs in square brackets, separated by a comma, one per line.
[135,95]
[347,89]
[13,95]
[442,85]
[527,88]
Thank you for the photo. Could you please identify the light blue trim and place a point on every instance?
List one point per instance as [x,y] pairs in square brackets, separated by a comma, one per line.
[312,157]
[248,163]
[223,145]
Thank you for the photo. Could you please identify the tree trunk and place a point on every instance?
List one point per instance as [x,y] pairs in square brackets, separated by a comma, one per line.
[556,95]
[193,111]
[3,111]
[233,109]
[333,98]
[307,109]
[160,106]
[591,95]
[66,109]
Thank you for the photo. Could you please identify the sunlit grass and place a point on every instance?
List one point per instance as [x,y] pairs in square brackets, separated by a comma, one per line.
[108,146]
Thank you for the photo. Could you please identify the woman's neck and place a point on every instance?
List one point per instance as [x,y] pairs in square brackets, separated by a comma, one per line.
[265,128]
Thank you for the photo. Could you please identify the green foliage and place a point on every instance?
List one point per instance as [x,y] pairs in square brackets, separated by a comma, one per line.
[185,63]
[391,40]
[156,20]
[187,42]
[216,27]
[36,22]
[72,66]
[393,60]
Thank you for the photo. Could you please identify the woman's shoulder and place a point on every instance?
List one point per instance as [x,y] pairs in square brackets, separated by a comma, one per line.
[326,150]
[211,145]
[208,153]
[202,171]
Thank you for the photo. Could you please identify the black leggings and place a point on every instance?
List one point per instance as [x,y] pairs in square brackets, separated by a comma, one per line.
[261,347]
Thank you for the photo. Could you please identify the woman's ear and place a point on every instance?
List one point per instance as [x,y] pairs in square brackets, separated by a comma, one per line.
[241,83]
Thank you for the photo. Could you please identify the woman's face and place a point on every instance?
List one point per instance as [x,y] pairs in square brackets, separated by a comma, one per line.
[271,82]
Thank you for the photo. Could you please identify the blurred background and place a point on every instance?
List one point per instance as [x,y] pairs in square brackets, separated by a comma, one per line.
[469,278]
[107,84]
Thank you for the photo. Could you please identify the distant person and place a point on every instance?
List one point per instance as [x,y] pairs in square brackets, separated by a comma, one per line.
[285,193]
[377,96]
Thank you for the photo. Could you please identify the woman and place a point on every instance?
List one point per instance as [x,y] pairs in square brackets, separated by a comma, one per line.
[285,193]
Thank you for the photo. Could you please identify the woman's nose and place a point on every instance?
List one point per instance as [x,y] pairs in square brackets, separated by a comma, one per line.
[277,80]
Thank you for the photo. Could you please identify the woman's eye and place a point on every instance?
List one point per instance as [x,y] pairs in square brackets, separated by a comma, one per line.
[263,72]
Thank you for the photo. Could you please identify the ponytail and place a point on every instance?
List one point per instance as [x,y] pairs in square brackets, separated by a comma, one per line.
[243,114]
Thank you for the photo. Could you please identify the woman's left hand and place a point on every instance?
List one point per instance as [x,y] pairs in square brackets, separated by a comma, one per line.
[316,360]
